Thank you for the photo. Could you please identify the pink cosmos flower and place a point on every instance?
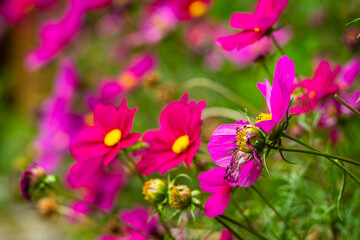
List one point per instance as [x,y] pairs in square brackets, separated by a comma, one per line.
[59,125]
[55,35]
[278,96]
[101,184]
[236,148]
[138,217]
[13,11]
[314,87]
[130,78]
[177,140]
[254,25]
[110,134]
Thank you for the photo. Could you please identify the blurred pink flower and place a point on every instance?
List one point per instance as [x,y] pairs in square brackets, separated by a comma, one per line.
[177,140]
[254,25]
[55,35]
[110,134]
[189,9]
[138,217]
[101,184]
[13,11]
[58,126]
[278,96]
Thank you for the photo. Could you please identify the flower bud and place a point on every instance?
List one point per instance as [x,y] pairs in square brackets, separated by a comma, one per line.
[31,179]
[250,137]
[47,206]
[155,190]
[180,197]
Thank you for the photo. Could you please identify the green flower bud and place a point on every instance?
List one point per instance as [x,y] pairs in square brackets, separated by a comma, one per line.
[250,135]
[180,197]
[155,190]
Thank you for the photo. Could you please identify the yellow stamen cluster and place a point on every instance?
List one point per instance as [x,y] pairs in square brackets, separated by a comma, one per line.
[257,29]
[263,117]
[181,144]
[241,138]
[112,137]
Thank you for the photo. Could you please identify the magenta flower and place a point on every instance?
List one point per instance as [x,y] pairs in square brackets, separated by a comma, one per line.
[349,74]
[55,35]
[278,96]
[314,87]
[110,134]
[59,125]
[254,25]
[177,140]
[101,184]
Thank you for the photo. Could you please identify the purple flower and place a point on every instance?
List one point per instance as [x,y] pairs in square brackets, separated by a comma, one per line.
[30,178]
[55,35]
[58,126]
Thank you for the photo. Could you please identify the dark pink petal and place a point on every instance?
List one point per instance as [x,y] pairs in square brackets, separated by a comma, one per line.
[350,72]
[218,202]
[112,154]
[191,151]
[213,180]
[175,119]
[106,117]
[226,235]
[130,140]
[171,163]
[144,64]
[238,40]
[126,118]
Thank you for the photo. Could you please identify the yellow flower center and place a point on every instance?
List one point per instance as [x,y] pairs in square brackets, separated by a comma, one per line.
[181,144]
[256,29]
[112,137]
[263,117]
[127,80]
[197,9]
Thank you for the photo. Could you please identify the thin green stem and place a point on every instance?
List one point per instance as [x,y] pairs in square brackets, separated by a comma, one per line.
[135,169]
[263,64]
[236,223]
[205,82]
[109,214]
[277,213]
[277,45]
[248,222]
[347,105]
[317,153]
[166,227]
[229,228]
[242,226]
[348,172]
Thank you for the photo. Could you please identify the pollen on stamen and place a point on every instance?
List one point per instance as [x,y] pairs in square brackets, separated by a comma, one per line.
[256,29]
[263,117]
